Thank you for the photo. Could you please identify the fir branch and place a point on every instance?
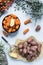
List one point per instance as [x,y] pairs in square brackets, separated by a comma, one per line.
[31,7]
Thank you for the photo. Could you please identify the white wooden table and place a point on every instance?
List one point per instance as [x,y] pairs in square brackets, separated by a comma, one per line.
[11,39]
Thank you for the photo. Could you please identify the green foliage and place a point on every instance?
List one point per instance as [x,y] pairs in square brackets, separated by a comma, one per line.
[3,59]
[31,7]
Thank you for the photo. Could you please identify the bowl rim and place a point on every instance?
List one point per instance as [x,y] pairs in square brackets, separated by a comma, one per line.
[5,29]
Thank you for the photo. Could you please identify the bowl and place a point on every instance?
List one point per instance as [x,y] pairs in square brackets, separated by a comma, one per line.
[11,23]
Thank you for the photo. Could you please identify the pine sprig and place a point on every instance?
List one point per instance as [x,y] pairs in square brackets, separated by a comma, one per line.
[31,7]
[3,59]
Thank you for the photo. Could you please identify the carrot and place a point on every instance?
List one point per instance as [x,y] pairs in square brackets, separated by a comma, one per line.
[17,22]
[27,21]
[4,22]
[5,27]
[17,26]
[7,24]
[25,31]
[13,30]
[12,15]
[6,18]
[10,30]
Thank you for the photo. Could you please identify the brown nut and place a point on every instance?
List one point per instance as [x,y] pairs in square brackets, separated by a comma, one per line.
[25,31]
[38,28]
[33,43]
[20,46]
[20,50]
[24,51]
[32,58]
[30,40]
[27,21]
[25,45]
[5,33]
[28,57]
[39,48]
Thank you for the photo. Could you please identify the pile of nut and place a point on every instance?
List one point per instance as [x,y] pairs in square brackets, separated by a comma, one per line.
[4,4]
[29,49]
